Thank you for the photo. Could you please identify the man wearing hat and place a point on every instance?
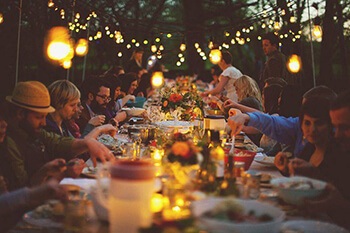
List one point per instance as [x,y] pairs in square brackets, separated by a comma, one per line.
[31,152]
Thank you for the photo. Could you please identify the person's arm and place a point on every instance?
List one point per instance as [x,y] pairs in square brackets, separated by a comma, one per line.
[125,99]
[14,204]
[232,104]
[219,87]
[283,130]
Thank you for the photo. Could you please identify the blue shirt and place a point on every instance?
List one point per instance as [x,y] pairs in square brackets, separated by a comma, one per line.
[283,130]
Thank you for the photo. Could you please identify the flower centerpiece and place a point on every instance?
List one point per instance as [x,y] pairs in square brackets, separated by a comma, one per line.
[183,102]
[182,158]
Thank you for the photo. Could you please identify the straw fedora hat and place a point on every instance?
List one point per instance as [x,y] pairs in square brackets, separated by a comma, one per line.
[31,95]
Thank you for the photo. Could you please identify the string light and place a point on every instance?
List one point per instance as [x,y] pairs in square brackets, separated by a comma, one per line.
[1,18]
[277,25]
[294,63]
[99,35]
[169,35]
[128,46]
[133,41]
[182,59]
[154,48]
[183,46]
[67,64]
[196,45]
[137,44]
[180,55]
[90,38]
[178,63]
[233,41]
[227,34]
[238,34]
[145,42]
[120,54]
[263,25]
[50,4]
[317,30]
[82,47]
[157,39]
[161,47]
[292,18]
[77,16]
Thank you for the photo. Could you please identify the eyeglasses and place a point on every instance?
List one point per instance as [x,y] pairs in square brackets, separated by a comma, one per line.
[105,98]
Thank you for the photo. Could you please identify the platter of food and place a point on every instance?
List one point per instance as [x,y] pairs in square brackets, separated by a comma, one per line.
[237,215]
[265,160]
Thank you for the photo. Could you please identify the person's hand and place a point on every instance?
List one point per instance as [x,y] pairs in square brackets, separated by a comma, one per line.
[331,199]
[55,168]
[74,168]
[281,162]
[237,122]
[230,104]
[120,116]
[108,129]
[140,94]
[97,120]
[3,127]
[98,150]
[131,98]
[233,112]
[49,190]
[300,167]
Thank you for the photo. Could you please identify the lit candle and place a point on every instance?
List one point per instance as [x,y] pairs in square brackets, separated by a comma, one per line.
[157,155]
[157,203]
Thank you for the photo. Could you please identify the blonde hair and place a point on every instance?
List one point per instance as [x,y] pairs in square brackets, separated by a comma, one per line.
[248,88]
[61,92]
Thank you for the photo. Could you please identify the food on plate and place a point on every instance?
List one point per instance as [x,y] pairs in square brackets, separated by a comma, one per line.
[230,210]
[301,184]
[53,210]
[111,143]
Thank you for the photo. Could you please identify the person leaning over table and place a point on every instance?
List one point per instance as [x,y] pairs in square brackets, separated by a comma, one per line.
[226,79]
[31,152]
[284,130]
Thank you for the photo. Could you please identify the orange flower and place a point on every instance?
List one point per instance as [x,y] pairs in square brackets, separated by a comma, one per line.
[175,98]
[180,148]
[165,104]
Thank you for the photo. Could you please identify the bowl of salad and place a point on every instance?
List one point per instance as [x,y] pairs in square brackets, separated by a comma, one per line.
[237,215]
[293,190]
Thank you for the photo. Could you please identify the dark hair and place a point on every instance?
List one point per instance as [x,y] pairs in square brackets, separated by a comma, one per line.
[322,91]
[290,101]
[274,40]
[227,57]
[217,70]
[279,81]
[135,69]
[144,84]
[92,85]
[317,107]
[271,94]
[342,101]
[126,80]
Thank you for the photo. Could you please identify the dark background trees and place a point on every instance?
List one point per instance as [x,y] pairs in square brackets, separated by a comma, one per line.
[195,21]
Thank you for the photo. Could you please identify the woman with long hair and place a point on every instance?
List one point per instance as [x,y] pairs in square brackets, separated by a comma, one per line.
[248,92]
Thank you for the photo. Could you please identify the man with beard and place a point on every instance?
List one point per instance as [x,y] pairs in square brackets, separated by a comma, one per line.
[32,154]
[96,96]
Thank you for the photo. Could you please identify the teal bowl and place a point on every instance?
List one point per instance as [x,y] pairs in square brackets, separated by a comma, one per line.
[139,101]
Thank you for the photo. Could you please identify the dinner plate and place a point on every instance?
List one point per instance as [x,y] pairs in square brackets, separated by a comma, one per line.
[264,159]
[311,226]
[31,219]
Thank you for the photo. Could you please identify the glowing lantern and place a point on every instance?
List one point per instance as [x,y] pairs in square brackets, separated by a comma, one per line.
[294,64]
[81,48]
[1,18]
[157,79]
[215,56]
[161,47]
[317,31]
[59,46]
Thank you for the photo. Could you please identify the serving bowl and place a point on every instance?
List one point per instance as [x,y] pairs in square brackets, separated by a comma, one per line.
[295,195]
[134,111]
[221,226]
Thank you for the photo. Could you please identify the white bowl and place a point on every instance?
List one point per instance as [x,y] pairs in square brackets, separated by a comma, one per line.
[311,226]
[295,196]
[134,111]
[217,226]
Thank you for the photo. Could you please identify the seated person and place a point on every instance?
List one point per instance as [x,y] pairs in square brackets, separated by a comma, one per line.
[27,147]
[119,100]
[129,83]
